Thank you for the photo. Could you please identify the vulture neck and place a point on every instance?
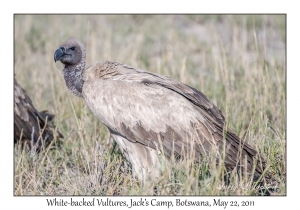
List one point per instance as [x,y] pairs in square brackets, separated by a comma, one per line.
[73,75]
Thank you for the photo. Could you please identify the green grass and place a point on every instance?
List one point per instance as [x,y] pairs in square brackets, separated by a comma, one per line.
[237,61]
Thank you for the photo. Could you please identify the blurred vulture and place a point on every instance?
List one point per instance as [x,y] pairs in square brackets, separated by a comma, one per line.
[31,127]
[150,115]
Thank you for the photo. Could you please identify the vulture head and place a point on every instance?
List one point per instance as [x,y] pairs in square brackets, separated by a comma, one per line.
[71,52]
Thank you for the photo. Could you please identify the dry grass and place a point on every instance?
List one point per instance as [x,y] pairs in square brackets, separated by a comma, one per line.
[237,61]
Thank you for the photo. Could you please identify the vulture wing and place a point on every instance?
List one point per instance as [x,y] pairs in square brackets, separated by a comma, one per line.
[158,112]
[30,125]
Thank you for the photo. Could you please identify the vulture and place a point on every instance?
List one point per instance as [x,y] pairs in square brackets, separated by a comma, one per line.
[32,128]
[150,116]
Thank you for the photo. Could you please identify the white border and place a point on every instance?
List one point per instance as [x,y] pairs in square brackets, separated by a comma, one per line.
[53,6]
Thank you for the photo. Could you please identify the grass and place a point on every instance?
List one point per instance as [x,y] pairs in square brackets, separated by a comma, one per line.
[238,61]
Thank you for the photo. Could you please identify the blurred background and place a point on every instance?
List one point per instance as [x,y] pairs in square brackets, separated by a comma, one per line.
[238,61]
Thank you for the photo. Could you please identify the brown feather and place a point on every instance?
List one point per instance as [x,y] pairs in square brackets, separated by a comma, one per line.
[30,125]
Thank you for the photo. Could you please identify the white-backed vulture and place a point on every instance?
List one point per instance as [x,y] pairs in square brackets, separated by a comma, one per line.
[31,127]
[148,114]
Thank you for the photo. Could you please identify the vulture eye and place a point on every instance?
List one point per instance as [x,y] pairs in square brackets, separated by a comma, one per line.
[72,48]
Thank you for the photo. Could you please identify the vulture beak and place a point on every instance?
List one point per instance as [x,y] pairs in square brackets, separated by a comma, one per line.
[59,53]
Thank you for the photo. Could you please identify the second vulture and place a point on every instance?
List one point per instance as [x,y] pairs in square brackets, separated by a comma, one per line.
[32,128]
[148,114]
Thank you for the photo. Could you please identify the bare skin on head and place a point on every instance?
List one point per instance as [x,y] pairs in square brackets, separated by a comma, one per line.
[147,113]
